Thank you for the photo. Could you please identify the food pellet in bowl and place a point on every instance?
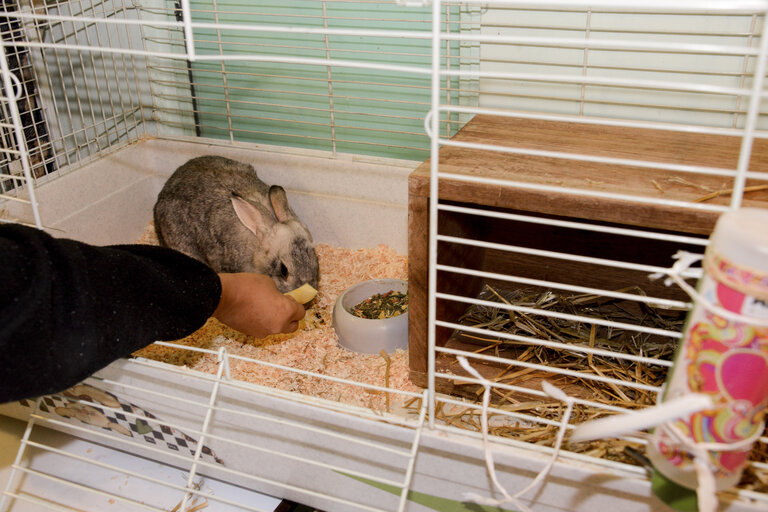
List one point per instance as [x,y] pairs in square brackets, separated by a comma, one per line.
[382,305]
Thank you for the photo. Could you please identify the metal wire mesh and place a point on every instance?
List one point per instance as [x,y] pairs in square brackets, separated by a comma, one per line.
[359,77]
[525,289]
[304,102]
[30,110]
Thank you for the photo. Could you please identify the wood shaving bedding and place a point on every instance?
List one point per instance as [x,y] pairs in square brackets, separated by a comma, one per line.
[314,348]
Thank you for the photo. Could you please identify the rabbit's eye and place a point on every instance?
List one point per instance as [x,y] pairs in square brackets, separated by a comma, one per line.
[283,271]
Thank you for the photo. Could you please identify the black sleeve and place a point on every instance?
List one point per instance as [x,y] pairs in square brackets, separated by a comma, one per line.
[67,309]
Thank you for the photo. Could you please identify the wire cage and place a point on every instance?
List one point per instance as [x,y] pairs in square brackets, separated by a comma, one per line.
[561,152]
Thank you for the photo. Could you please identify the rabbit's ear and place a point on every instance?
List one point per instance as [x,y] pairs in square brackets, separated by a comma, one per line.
[279,202]
[254,217]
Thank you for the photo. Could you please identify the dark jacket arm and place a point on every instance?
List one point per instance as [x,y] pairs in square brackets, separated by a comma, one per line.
[67,309]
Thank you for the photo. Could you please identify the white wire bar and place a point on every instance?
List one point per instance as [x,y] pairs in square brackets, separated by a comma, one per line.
[193,56]
[648,269]
[17,461]
[553,314]
[190,54]
[203,435]
[400,34]
[246,58]
[612,44]
[527,418]
[569,190]
[110,439]
[711,171]
[77,131]
[253,415]
[672,127]
[467,406]
[222,55]
[186,24]
[76,485]
[651,235]
[526,391]
[18,136]
[210,408]
[127,472]
[106,117]
[654,301]
[542,65]
[745,152]
[551,369]
[610,465]
[132,446]
[518,38]
[330,378]
[691,6]
[577,349]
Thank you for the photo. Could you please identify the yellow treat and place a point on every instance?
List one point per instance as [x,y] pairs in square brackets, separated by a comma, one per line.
[303,293]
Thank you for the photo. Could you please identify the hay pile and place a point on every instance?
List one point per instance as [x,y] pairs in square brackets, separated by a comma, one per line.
[498,319]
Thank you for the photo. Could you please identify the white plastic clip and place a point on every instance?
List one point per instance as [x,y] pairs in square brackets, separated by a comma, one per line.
[681,269]
[550,390]
[223,359]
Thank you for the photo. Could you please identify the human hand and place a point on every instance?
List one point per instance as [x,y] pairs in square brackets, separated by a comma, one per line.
[252,304]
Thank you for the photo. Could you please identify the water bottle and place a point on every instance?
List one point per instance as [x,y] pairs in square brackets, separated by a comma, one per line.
[723,354]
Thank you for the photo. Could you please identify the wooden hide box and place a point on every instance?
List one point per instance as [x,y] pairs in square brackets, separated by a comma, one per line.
[587,139]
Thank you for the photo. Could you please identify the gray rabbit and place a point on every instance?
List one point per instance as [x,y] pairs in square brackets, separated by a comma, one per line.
[218,211]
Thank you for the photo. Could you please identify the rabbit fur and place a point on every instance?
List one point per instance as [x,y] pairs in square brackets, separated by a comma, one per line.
[218,211]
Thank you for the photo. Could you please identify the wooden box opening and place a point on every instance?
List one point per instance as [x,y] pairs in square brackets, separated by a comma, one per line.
[535,237]
[664,146]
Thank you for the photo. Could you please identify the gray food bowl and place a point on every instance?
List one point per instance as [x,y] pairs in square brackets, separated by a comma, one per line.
[370,336]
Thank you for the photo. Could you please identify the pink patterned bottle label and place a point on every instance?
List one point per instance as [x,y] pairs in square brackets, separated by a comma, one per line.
[727,360]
